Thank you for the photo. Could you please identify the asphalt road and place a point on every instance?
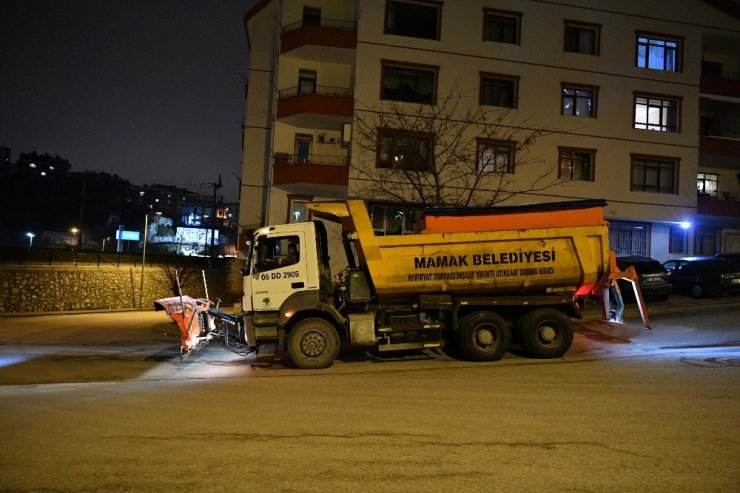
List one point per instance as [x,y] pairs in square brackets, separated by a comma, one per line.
[100,402]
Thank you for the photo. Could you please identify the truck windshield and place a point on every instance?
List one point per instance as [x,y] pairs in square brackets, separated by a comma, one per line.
[276,252]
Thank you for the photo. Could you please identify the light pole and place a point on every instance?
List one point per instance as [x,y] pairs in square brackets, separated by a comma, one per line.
[143,258]
[30,239]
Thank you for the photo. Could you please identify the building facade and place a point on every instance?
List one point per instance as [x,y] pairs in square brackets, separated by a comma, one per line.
[634,102]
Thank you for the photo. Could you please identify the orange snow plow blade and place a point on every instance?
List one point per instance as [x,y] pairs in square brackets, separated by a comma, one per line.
[190,315]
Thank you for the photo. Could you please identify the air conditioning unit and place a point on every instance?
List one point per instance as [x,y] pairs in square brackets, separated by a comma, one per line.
[346,134]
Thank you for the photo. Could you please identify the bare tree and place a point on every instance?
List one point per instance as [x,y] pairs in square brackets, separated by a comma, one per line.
[454,152]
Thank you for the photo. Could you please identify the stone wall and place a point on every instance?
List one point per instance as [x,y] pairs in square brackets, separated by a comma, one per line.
[68,288]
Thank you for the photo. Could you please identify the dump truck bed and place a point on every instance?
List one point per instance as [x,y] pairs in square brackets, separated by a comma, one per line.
[443,259]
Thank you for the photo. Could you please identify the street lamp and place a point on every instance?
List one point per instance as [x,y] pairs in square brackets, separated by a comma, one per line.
[143,257]
[74,231]
[30,239]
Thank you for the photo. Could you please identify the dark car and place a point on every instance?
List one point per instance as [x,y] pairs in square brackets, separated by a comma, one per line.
[652,277]
[731,258]
[703,276]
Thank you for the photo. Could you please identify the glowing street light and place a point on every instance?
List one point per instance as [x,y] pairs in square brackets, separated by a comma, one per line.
[30,239]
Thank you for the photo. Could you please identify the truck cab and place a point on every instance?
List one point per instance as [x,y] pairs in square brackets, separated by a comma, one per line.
[287,272]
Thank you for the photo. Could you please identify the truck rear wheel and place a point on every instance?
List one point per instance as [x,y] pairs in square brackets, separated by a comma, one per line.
[545,333]
[313,343]
[483,336]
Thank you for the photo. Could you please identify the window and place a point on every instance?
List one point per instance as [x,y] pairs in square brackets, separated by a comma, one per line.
[499,90]
[398,149]
[311,16]
[297,208]
[277,252]
[582,37]
[576,164]
[306,82]
[658,52]
[678,240]
[415,19]
[302,148]
[628,238]
[654,174]
[414,84]
[708,184]
[579,100]
[656,113]
[705,240]
[392,219]
[501,26]
[495,156]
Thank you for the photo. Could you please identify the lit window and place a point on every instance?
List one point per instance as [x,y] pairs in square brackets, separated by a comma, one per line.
[576,164]
[656,113]
[399,149]
[654,174]
[582,37]
[708,184]
[495,156]
[297,209]
[392,220]
[658,52]
[501,26]
[579,101]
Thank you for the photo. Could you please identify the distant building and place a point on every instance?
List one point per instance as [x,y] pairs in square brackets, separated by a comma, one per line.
[5,166]
[182,221]
[640,102]
[42,164]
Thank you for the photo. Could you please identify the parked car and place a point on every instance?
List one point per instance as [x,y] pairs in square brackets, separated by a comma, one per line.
[731,258]
[703,276]
[652,277]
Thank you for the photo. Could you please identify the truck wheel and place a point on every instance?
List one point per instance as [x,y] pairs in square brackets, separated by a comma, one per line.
[545,333]
[483,336]
[313,343]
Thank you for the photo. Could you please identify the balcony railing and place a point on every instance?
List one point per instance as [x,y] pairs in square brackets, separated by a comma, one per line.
[721,204]
[330,23]
[320,90]
[286,158]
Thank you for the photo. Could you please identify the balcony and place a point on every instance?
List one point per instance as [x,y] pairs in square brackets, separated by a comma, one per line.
[314,175]
[720,86]
[723,204]
[329,40]
[319,107]
[719,146]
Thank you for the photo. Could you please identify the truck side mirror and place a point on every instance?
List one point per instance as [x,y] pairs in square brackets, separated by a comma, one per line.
[245,270]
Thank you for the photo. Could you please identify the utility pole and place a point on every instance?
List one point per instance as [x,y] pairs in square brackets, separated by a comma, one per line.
[215,186]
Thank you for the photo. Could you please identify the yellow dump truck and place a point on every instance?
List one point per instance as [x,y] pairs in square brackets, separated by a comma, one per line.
[470,278]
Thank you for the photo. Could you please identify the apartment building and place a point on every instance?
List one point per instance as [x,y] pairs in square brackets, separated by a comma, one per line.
[634,102]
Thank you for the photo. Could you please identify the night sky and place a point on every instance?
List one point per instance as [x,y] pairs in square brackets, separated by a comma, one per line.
[150,90]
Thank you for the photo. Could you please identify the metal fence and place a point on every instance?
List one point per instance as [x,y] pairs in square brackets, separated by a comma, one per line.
[67,257]
[311,89]
[330,23]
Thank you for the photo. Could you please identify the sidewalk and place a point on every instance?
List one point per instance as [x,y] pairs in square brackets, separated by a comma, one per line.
[675,304]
